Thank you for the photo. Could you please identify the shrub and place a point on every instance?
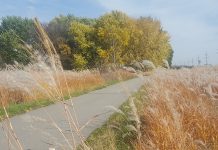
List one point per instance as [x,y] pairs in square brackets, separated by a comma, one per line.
[148,65]
[166,64]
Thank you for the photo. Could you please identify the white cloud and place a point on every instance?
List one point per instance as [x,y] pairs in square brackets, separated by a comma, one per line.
[192,25]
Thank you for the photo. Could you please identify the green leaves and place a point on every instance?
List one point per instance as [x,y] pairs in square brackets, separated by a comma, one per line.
[79,61]
[13,32]
[84,50]
[22,27]
[11,49]
[81,35]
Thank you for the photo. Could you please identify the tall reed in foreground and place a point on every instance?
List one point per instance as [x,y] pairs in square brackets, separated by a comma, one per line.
[182,112]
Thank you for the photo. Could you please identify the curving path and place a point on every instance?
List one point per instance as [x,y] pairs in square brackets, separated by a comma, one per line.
[48,127]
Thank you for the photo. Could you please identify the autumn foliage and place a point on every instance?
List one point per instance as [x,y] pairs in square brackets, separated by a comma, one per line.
[84,43]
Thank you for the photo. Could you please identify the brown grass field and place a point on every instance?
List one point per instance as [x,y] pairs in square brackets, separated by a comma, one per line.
[17,86]
[182,112]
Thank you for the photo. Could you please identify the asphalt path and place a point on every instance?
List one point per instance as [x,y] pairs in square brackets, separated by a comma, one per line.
[66,124]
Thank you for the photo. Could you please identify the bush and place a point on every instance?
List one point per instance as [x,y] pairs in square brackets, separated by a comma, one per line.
[148,65]
[137,65]
[166,64]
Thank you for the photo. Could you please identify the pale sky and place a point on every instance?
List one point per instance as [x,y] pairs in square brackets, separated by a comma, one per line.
[192,24]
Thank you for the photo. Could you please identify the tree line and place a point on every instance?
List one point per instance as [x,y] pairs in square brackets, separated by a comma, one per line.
[114,38]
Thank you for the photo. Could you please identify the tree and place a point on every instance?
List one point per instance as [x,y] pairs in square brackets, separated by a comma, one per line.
[79,62]
[114,38]
[11,49]
[22,27]
[154,42]
[58,28]
[14,32]
[112,35]
[83,46]
[170,57]
[132,51]
[65,53]
[65,38]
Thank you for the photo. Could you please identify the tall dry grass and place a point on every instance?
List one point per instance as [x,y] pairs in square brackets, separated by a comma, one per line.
[182,112]
[17,86]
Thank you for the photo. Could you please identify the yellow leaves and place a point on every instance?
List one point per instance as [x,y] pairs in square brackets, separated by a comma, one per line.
[113,34]
[64,49]
[79,61]
[81,32]
[102,53]
[116,38]
[101,32]
[126,36]
[78,28]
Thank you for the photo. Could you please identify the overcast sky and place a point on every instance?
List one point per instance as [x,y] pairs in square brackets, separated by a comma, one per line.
[192,24]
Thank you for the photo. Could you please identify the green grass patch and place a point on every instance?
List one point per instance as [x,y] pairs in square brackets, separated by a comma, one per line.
[108,136]
[15,109]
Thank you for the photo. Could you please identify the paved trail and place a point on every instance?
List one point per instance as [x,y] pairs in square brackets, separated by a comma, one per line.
[36,129]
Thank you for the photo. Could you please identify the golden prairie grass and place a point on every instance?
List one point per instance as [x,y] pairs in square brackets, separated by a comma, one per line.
[19,86]
[182,112]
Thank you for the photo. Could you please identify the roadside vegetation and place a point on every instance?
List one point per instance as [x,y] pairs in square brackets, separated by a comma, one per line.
[43,64]
[177,109]
[122,129]
[71,55]
[44,81]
